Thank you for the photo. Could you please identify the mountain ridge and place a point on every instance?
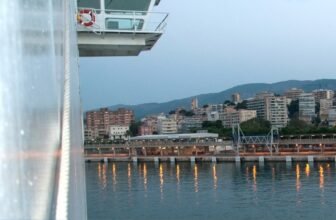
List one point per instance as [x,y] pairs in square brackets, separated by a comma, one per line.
[245,90]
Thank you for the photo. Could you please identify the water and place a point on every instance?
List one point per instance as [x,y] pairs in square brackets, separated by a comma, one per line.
[211,191]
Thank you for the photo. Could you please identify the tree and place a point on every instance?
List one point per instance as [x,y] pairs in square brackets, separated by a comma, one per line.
[293,109]
[241,105]
[317,108]
[228,103]
[297,126]
[134,128]
[172,112]
[256,126]
[205,106]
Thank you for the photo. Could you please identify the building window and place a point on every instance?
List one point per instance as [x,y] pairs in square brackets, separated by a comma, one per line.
[89,4]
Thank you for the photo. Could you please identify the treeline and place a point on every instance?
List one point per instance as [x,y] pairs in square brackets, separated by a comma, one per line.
[257,126]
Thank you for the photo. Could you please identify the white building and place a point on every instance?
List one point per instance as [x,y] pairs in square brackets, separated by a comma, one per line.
[270,107]
[276,111]
[325,106]
[306,107]
[167,126]
[118,132]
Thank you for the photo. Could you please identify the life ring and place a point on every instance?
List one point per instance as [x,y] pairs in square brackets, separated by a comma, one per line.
[86,17]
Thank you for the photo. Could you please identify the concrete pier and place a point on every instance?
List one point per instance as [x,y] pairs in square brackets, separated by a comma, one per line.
[261,159]
[213,159]
[192,159]
[172,159]
[310,159]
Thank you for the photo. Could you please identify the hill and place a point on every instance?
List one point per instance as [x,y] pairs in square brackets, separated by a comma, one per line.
[246,91]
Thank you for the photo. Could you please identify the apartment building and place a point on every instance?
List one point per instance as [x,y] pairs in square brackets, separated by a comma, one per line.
[306,107]
[118,132]
[325,106]
[231,116]
[270,107]
[332,116]
[99,121]
[323,94]
[293,94]
[167,126]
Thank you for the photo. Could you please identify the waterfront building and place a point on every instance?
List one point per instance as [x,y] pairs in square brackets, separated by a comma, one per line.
[306,107]
[98,122]
[231,116]
[119,132]
[188,123]
[276,111]
[323,94]
[325,106]
[236,98]
[293,94]
[270,107]
[167,126]
[104,118]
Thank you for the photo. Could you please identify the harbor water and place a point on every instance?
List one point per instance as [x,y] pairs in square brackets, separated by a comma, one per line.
[211,191]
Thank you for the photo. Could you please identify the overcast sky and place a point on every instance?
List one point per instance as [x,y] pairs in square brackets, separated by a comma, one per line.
[212,45]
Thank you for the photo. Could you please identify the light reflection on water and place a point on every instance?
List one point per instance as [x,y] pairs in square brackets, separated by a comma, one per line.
[273,191]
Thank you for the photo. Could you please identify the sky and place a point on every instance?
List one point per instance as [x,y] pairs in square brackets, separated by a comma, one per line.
[210,46]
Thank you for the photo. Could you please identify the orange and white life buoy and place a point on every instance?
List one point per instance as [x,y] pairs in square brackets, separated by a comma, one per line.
[86,17]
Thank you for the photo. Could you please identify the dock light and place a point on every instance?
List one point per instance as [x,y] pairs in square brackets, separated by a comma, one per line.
[296,145]
[320,145]
[253,146]
[194,147]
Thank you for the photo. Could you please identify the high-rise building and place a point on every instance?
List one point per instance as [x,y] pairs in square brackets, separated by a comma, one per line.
[236,98]
[323,94]
[271,108]
[99,121]
[293,93]
[306,107]
[258,103]
[325,106]
[276,111]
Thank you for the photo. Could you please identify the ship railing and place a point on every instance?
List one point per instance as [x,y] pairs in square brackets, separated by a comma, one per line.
[124,21]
